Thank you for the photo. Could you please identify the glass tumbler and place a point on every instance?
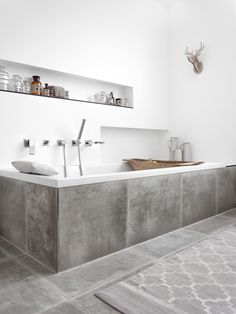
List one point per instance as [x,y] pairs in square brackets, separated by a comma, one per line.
[26,87]
[17,83]
[4,78]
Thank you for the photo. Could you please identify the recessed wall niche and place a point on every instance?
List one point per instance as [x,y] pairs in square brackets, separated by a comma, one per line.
[80,88]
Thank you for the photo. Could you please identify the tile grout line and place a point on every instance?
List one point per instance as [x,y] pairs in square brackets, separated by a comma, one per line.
[112,281]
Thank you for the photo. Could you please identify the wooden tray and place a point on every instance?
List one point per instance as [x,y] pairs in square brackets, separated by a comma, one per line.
[145,164]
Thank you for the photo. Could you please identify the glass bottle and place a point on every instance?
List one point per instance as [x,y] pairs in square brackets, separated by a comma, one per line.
[4,78]
[111,99]
[67,94]
[46,90]
[36,85]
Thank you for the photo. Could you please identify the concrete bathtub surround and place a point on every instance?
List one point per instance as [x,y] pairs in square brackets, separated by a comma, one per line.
[66,226]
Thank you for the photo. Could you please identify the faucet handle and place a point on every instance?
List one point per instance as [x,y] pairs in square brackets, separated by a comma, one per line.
[61,142]
[46,142]
[75,142]
[30,143]
[90,142]
[99,142]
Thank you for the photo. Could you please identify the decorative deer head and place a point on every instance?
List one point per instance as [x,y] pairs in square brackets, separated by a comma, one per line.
[192,57]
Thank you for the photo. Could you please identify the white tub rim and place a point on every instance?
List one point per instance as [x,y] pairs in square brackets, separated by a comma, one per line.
[60,182]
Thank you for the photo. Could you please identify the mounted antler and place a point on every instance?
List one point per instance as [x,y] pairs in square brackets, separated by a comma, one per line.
[192,57]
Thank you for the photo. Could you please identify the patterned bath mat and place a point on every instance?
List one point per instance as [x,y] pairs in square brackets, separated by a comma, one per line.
[199,279]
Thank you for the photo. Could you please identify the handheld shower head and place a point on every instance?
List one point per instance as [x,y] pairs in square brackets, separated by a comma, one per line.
[79,142]
[81,130]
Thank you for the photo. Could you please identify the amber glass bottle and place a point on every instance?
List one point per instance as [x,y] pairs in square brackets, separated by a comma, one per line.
[36,85]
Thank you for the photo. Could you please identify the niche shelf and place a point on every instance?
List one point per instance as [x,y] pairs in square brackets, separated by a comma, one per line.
[81,89]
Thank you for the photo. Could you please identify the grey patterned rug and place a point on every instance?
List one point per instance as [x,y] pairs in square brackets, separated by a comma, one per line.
[199,279]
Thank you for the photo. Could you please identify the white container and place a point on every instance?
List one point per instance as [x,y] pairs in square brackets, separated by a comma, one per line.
[178,155]
[186,148]
[173,144]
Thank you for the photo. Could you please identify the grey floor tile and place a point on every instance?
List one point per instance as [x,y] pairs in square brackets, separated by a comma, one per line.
[212,225]
[11,274]
[168,243]
[231,214]
[64,308]
[129,301]
[97,273]
[28,296]
[90,304]
[3,257]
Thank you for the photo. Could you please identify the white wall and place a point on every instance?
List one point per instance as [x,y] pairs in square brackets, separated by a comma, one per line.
[203,107]
[114,40]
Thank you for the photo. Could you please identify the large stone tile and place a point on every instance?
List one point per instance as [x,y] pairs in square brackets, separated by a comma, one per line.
[226,189]
[7,250]
[12,211]
[90,304]
[129,301]
[33,266]
[12,273]
[92,221]
[198,196]
[29,296]
[168,243]
[3,256]
[231,214]
[98,273]
[64,308]
[212,225]
[154,207]
[41,207]
[23,292]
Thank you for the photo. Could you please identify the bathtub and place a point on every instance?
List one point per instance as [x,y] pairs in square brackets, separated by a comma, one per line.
[65,222]
[96,173]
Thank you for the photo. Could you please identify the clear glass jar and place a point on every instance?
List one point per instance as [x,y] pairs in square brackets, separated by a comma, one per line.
[4,78]
[26,87]
[17,83]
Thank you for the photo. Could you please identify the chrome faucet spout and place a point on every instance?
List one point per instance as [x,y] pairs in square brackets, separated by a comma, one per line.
[30,143]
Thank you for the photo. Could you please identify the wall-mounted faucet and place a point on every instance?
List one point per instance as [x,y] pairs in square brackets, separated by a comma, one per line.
[86,142]
[46,143]
[30,143]
[62,143]
[90,142]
